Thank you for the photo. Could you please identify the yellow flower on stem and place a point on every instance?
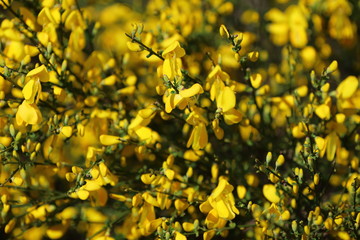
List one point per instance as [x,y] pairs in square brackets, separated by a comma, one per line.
[226,101]
[221,202]
[181,99]
[172,62]
[199,137]
[28,114]
[32,88]
[215,81]
[290,25]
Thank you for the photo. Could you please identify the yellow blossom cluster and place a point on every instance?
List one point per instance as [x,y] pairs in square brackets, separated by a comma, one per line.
[185,119]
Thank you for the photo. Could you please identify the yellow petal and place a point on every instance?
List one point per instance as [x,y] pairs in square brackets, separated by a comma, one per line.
[170,174]
[83,194]
[150,199]
[347,88]
[167,69]
[181,205]
[320,142]
[118,197]
[69,213]
[30,90]
[154,224]
[192,91]
[332,67]
[67,131]
[191,138]
[191,155]
[241,191]
[253,56]
[127,90]
[10,225]
[232,116]
[103,169]
[109,81]
[45,16]
[188,227]
[220,188]
[270,193]
[31,50]
[219,132]
[226,99]
[223,31]
[74,20]
[205,207]
[132,46]
[174,48]
[147,113]
[200,137]
[29,113]
[223,210]
[109,140]
[332,142]
[148,178]
[56,231]
[208,235]
[144,133]
[179,236]
[323,111]
[39,72]
[5,140]
[91,185]
[298,37]
[256,80]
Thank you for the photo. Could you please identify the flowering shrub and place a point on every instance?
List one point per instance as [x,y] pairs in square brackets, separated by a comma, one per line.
[179,119]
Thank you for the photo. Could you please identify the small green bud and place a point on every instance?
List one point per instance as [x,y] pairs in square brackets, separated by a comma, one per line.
[18,136]
[56,119]
[294,226]
[49,47]
[64,66]
[12,130]
[66,119]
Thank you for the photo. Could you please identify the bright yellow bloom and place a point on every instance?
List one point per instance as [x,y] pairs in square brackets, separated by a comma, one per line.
[270,193]
[290,25]
[172,63]
[28,114]
[221,202]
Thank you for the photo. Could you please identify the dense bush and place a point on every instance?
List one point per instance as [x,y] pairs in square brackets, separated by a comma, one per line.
[181,119]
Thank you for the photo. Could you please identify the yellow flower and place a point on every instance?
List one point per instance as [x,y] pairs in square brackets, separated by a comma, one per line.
[109,140]
[290,25]
[219,132]
[28,114]
[226,99]
[199,137]
[181,99]
[32,91]
[56,231]
[270,193]
[347,88]
[221,201]
[223,31]
[215,81]
[48,15]
[172,62]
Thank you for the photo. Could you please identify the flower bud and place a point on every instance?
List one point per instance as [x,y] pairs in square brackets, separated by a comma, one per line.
[332,67]
[224,32]
[268,157]
[294,226]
